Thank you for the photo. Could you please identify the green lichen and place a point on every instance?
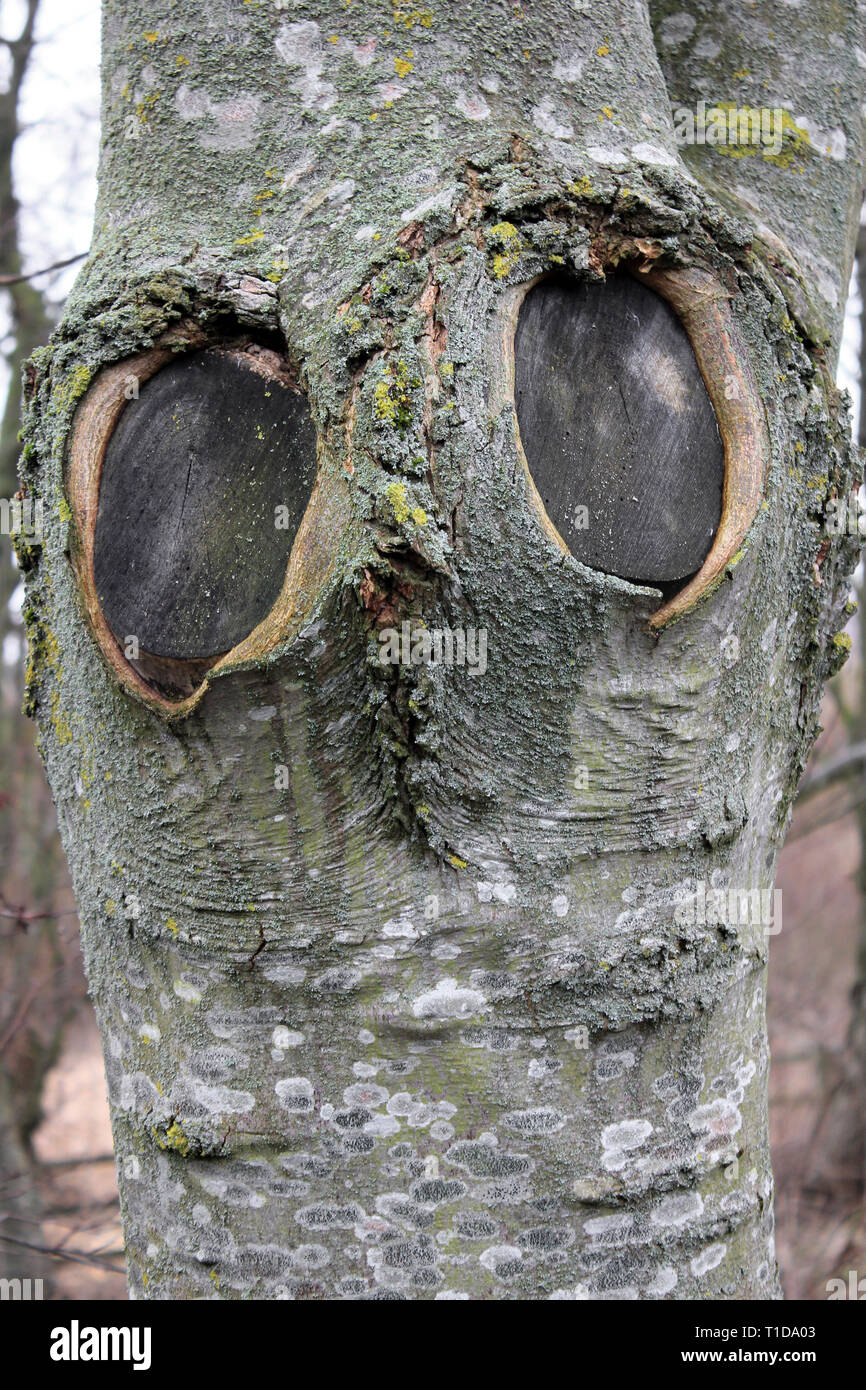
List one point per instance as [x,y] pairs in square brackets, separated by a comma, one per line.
[392,396]
[74,386]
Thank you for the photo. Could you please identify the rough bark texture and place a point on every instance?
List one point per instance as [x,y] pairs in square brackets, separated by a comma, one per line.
[424,1015]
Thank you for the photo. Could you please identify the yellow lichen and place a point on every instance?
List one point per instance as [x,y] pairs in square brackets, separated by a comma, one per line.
[392,395]
[794,140]
[408,18]
[505,235]
[175,1139]
[59,721]
[396,495]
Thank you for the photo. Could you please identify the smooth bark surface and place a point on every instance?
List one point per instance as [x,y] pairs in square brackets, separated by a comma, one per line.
[404,982]
[617,427]
[188,556]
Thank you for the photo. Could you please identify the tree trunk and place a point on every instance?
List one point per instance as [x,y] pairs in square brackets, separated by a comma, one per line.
[418,980]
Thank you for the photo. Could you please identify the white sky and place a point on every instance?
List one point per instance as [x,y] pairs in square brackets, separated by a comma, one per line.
[55,157]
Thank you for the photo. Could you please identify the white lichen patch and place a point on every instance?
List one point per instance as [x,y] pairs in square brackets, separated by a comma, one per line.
[678,1209]
[610,1230]
[496,892]
[285,974]
[569,67]
[533,1122]
[708,1259]
[296,1094]
[546,119]
[619,1142]
[676,29]
[449,999]
[401,927]
[472,106]
[832,144]
[300,47]
[664,1281]
[363,1093]
[719,1117]
[502,1260]
[382,1126]
[221,1100]
[234,122]
[439,201]
[609,1066]
[445,950]
[611,157]
[263,713]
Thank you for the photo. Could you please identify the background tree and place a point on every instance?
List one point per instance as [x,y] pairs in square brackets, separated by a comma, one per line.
[34,996]
[399,972]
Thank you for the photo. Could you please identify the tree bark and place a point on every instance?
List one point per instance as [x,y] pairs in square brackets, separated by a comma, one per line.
[403,976]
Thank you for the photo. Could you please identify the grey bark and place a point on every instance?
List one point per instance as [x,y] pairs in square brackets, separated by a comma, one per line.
[434,1019]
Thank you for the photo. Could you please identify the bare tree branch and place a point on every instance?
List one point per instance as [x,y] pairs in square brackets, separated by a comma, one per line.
[46,270]
[846,763]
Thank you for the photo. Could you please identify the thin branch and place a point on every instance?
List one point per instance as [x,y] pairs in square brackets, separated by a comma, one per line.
[849,761]
[46,270]
[25,917]
[838,811]
[58,1253]
[75,1162]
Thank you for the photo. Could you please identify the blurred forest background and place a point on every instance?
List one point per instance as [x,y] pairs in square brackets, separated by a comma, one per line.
[58,1201]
